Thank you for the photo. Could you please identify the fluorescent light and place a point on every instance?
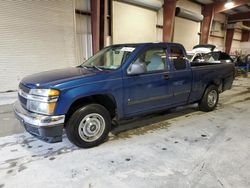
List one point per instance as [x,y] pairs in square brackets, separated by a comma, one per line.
[229,5]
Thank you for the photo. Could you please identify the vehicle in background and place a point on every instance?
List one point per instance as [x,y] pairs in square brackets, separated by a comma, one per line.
[248,59]
[205,47]
[214,57]
[234,58]
[242,65]
[242,60]
[199,50]
[119,82]
[208,53]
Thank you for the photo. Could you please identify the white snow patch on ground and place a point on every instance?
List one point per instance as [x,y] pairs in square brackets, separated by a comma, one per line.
[185,148]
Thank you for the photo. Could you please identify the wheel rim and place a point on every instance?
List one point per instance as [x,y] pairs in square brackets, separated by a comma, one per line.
[91,127]
[212,98]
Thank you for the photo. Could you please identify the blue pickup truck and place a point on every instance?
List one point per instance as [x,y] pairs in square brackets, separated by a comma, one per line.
[119,82]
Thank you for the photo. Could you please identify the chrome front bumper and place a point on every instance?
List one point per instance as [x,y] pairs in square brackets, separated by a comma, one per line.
[47,128]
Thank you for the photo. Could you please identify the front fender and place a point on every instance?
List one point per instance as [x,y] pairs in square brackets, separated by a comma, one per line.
[69,96]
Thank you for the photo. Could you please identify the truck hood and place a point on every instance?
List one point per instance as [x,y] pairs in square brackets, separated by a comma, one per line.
[56,76]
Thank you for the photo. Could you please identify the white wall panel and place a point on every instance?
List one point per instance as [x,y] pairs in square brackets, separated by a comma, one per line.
[245,47]
[133,24]
[186,31]
[218,42]
[237,34]
[218,32]
[236,46]
[82,5]
[35,36]
[83,37]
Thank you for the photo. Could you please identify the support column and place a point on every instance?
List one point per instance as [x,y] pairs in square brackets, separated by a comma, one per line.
[245,36]
[95,25]
[245,33]
[208,13]
[229,39]
[168,19]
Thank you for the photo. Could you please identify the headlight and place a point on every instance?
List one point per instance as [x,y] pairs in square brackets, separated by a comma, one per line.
[44,92]
[41,101]
[41,107]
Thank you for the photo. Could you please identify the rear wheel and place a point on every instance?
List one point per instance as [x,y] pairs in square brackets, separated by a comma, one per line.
[89,126]
[210,99]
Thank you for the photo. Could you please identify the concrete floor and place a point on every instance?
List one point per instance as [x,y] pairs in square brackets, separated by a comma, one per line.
[181,148]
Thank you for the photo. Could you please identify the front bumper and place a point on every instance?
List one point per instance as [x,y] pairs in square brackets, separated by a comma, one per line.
[46,128]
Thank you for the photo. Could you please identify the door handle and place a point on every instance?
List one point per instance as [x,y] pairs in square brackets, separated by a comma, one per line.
[166,77]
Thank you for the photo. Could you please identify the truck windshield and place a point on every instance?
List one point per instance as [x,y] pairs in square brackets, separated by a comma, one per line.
[109,58]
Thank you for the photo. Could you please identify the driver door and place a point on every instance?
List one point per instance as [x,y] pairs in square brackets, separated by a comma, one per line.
[151,89]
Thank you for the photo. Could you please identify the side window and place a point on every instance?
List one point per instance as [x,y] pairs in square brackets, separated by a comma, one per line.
[177,58]
[152,60]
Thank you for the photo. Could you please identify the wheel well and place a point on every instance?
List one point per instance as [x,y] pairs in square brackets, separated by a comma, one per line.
[218,83]
[105,100]
[215,82]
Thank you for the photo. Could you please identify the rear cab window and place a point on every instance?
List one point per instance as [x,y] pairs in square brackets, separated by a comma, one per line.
[177,58]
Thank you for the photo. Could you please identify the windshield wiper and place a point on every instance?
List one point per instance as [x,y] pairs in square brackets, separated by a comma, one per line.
[83,66]
[98,68]
[92,66]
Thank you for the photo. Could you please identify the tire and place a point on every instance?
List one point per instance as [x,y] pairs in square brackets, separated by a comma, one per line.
[210,99]
[89,126]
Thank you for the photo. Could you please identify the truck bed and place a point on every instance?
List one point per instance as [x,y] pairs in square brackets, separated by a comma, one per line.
[220,74]
[198,64]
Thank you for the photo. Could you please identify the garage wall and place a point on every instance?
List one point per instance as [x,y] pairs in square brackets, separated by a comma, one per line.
[133,23]
[159,31]
[83,38]
[218,32]
[236,44]
[218,42]
[245,47]
[188,37]
[83,31]
[34,37]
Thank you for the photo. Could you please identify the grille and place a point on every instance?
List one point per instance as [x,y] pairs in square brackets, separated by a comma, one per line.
[22,100]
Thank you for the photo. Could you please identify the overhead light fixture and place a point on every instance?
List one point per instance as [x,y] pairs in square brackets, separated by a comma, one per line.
[229,4]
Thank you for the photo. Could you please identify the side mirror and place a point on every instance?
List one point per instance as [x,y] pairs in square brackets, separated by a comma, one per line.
[137,68]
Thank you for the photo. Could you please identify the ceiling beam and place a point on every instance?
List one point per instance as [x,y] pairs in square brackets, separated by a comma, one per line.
[219,6]
[244,16]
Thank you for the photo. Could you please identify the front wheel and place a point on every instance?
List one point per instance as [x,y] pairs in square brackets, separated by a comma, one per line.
[210,99]
[89,126]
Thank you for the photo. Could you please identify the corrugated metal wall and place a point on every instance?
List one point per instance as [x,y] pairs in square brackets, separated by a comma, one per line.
[35,36]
